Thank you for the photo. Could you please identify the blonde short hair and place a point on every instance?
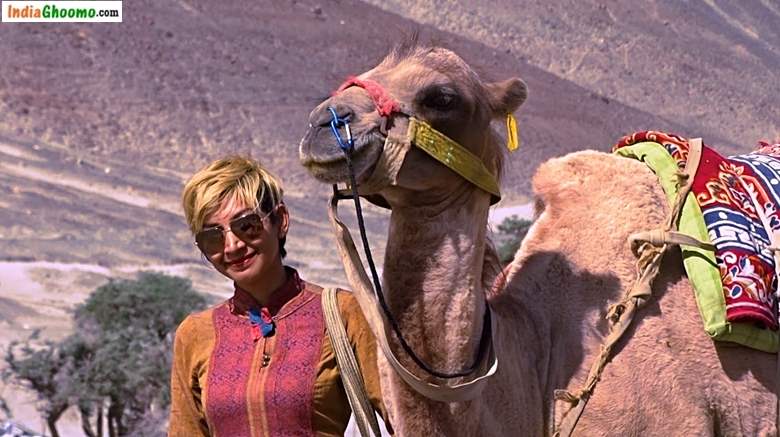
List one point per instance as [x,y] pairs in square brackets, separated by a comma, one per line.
[231,178]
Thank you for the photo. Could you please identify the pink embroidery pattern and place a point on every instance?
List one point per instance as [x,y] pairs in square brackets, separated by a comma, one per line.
[284,385]
[289,387]
[229,372]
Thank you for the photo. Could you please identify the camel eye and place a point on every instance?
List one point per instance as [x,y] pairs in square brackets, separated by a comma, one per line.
[441,98]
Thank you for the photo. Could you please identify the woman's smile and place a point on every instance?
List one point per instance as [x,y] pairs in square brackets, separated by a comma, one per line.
[242,263]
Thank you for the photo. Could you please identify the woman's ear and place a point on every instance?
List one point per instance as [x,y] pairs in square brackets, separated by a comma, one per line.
[283,217]
[506,96]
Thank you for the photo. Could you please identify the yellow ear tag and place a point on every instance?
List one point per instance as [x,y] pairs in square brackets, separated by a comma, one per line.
[512,137]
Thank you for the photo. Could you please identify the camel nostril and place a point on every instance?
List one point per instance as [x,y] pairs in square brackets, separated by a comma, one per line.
[324,116]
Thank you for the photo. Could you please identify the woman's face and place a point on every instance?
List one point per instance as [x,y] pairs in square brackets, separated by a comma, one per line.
[247,262]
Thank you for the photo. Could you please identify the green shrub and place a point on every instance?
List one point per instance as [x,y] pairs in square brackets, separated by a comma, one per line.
[119,355]
[510,235]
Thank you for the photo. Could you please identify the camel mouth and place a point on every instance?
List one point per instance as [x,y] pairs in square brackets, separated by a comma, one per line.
[323,158]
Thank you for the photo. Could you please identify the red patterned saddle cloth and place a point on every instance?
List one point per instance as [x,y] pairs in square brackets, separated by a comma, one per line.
[739,197]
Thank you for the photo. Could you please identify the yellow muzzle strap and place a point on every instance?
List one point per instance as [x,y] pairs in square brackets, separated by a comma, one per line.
[434,143]
[456,157]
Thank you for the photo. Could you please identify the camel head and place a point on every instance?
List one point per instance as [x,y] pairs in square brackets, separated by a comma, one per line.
[431,84]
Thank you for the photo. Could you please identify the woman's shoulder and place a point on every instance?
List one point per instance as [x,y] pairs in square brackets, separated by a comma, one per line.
[348,305]
[350,311]
[345,298]
[197,324]
[347,301]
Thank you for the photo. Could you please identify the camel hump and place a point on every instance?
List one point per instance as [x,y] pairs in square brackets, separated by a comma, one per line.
[571,177]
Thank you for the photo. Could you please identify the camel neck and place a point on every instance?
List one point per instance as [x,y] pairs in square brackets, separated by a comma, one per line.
[433,278]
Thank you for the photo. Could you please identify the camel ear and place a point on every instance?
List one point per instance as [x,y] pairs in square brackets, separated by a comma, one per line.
[506,96]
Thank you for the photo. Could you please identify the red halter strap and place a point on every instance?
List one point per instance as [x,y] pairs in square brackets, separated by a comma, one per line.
[384,102]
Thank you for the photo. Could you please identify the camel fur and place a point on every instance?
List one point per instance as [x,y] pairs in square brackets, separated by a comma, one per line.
[666,378]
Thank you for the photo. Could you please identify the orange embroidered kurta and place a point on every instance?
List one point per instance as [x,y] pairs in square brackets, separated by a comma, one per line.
[229,381]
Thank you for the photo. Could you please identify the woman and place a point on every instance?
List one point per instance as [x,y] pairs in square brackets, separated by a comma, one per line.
[261,362]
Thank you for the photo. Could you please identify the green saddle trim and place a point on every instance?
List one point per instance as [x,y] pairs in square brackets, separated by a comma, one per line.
[700,264]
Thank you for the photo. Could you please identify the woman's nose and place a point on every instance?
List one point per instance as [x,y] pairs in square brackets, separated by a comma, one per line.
[232,242]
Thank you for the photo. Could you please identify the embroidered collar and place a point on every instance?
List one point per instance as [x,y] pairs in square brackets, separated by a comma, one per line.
[242,303]
[263,318]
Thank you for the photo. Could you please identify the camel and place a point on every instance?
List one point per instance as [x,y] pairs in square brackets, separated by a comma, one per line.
[441,273]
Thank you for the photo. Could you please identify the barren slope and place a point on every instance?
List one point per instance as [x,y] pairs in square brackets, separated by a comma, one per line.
[179,83]
[712,65]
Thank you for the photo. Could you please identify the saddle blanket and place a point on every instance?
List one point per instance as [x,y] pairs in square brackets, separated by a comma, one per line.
[739,198]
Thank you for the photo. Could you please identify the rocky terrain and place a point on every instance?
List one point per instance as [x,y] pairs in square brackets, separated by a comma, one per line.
[710,65]
[100,124]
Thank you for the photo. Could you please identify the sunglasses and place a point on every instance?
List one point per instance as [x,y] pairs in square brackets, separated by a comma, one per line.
[247,228]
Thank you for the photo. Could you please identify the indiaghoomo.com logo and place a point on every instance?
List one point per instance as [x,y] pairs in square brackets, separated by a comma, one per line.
[62,11]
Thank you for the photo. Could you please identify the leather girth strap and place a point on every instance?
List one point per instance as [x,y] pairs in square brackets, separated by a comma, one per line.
[649,247]
[365,417]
